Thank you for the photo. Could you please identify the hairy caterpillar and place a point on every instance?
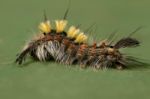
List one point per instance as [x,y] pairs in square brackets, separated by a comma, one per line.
[71,47]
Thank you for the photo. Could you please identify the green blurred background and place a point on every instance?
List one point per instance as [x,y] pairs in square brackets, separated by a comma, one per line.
[18,23]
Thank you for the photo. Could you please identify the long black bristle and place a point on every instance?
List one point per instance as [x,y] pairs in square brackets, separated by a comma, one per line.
[45,16]
[137,29]
[67,10]
[112,35]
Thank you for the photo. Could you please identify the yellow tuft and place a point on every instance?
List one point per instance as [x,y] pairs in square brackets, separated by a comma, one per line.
[60,25]
[45,27]
[72,32]
[81,38]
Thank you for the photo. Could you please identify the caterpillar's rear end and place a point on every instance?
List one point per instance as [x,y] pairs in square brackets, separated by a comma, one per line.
[70,47]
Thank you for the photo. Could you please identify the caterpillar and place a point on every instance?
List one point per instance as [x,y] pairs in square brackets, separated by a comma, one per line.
[70,47]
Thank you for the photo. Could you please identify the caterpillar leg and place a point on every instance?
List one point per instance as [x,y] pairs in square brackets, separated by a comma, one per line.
[120,66]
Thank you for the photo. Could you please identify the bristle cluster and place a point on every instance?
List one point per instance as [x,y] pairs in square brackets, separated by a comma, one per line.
[73,32]
[45,27]
[81,38]
[60,25]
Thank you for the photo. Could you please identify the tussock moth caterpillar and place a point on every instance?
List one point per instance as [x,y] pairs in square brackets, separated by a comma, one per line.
[71,47]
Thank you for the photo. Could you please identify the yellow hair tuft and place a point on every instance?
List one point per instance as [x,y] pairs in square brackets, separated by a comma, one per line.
[60,25]
[81,38]
[72,32]
[45,27]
